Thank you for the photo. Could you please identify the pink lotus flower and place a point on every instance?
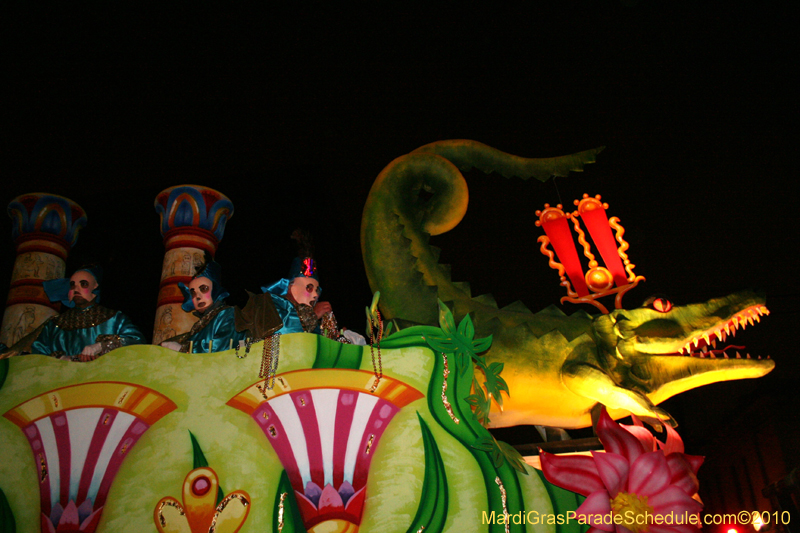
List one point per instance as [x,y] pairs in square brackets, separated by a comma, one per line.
[320,505]
[637,485]
[71,518]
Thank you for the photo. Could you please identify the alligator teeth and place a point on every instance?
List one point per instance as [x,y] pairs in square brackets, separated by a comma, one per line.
[738,356]
[705,338]
[701,355]
[714,342]
[712,355]
[748,356]
[757,318]
[759,357]
[705,348]
[727,329]
[750,320]
[696,342]
[725,355]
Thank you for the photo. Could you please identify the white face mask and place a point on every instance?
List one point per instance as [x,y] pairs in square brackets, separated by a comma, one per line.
[81,285]
[305,290]
[200,291]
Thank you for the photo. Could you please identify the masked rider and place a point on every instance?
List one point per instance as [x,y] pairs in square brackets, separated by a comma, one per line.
[86,330]
[296,299]
[215,330]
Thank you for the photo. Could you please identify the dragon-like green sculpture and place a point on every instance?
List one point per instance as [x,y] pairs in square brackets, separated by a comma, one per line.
[560,368]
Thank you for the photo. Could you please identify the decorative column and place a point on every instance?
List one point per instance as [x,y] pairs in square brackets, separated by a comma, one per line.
[193,221]
[44,229]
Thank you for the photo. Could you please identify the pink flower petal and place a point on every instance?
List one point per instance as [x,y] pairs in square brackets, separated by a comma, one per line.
[90,524]
[646,438]
[649,474]
[613,471]
[330,500]
[577,473]
[695,461]
[674,443]
[616,440]
[85,509]
[681,474]
[355,504]
[55,513]
[69,517]
[47,525]
[673,500]
[594,509]
[307,508]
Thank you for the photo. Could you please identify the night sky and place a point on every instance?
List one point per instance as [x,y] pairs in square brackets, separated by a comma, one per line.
[293,114]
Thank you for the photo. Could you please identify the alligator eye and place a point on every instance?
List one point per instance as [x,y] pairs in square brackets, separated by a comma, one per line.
[662,305]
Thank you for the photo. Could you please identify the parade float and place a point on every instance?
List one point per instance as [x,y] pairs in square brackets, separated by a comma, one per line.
[299,432]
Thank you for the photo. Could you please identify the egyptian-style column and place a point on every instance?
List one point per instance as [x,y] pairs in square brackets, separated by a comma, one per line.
[193,221]
[44,229]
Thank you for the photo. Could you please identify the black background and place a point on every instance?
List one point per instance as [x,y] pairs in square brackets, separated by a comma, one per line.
[293,114]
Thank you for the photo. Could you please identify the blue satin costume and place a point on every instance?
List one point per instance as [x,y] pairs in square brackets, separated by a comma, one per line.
[221,330]
[287,312]
[71,331]
[219,334]
[72,342]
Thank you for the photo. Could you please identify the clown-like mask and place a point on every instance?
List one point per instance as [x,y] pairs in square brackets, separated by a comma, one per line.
[200,291]
[81,285]
[305,290]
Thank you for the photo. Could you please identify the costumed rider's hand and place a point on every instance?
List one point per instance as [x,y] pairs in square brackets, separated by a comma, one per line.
[91,352]
[321,308]
[172,345]
[354,337]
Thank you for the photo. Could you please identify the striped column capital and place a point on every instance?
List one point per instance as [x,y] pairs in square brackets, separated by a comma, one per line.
[192,221]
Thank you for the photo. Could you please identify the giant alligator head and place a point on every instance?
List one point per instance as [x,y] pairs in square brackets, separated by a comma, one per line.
[654,352]
[559,368]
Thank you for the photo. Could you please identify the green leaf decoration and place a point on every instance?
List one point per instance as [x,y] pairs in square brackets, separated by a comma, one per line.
[485,444]
[481,345]
[497,456]
[198,457]
[480,402]
[7,523]
[292,520]
[466,329]
[432,510]
[199,461]
[500,452]
[446,321]
[512,456]
[494,383]
[441,344]
[461,343]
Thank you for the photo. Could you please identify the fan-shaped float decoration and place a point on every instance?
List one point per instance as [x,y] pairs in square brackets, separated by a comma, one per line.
[79,436]
[325,426]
